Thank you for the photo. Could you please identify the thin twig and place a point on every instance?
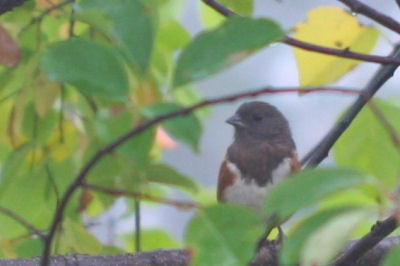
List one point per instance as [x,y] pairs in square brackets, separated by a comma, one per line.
[219,8]
[345,53]
[79,179]
[53,184]
[320,151]
[367,242]
[22,221]
[43,14]
[386,124]
[361,8]
[141,196]
[137,225]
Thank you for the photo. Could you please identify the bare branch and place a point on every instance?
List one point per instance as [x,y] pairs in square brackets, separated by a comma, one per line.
[80,178]
[360,8]
[22,221]
[43,14]
[320,151]
[367,242]
[345,53]
[136,195]
[219,8]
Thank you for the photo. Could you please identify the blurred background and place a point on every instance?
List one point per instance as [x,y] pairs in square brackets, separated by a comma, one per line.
[310,116]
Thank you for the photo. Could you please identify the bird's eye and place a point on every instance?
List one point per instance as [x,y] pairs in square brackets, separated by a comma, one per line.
[257,117]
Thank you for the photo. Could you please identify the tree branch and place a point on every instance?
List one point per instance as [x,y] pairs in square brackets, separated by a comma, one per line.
[80,178]
[345,53]
[22,221]
[181,257]
[320,151]
[360,8]
[356,250]
[136,195]
[43,14]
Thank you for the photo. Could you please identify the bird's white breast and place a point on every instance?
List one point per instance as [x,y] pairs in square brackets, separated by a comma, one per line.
[250,193]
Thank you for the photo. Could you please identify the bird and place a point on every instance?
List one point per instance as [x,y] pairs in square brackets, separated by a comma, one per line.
[263,153]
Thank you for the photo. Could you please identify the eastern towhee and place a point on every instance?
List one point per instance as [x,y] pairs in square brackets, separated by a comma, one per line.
[262,154]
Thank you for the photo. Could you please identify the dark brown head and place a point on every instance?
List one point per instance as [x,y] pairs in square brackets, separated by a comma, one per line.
[259,120]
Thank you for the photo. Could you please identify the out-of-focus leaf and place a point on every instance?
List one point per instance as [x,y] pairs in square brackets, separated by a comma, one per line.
[38,129]
[25,185]
[366,145]
[331,27]
[215,50]
[14,129]
[30,247]
[212,18]
[46,93]
[151,240]
[161,173]
[392,258]
[185,128]
[294,243]
[224,235]
[92,68]
[131,26]
[308,187]
[187,96]
[9,50]
[330,238]
[109,126]
[77,239]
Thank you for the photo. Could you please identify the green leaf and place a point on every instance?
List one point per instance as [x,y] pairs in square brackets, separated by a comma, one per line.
[151,240]
[30,247]
[131,26]
[224,235]
[211,18]
[78,240]
[294,243]
[308,187]
[392,258]
[161,173]
[186,128]
[92,68]
[366,145]
[331,237]
[109,126]
[215,50]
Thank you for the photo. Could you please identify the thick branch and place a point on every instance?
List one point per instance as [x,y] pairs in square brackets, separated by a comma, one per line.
[320,152]
[182,257]
[22,221]
[80,178]
[360,8]
[136,195]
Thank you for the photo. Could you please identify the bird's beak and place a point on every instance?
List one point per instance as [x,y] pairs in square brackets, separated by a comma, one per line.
[236,121]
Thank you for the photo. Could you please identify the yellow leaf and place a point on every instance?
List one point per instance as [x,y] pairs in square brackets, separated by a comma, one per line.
[336,28]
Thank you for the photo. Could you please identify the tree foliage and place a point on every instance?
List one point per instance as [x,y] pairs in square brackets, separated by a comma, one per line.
[80,81]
